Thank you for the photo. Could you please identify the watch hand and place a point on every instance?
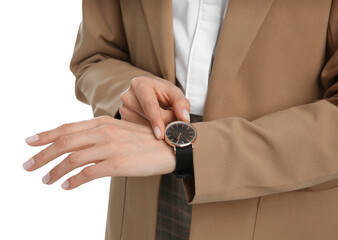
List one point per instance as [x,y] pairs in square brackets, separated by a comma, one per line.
[178,138]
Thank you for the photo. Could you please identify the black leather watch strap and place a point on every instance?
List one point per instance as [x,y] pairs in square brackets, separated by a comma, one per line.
[184,162]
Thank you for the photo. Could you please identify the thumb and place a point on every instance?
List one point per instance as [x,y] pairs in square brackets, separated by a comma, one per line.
[168,115]
[179,103]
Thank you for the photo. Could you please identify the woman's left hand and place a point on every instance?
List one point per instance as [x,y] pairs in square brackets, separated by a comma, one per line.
[115,147]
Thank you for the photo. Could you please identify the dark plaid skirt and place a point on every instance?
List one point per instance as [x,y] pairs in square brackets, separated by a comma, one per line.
[174,212]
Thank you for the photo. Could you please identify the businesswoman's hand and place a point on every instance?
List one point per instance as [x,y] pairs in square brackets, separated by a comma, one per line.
[146,101]
[113,147]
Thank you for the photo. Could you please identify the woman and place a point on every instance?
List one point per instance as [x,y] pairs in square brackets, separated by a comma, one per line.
[268,140]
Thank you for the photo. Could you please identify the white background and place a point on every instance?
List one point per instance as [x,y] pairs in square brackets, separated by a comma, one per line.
[37,39]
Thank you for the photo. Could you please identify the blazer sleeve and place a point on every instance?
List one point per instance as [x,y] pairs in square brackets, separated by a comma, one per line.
[287,150]
[101,61]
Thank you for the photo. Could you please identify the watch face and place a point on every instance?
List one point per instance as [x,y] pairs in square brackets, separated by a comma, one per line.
[180,133]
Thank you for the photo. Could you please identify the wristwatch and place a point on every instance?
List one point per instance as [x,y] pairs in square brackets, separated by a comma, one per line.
[180,135]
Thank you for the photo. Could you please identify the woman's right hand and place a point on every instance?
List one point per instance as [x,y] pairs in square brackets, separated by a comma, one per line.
[154,102]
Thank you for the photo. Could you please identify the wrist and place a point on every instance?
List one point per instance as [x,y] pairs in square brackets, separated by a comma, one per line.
[169,157]
[180,136]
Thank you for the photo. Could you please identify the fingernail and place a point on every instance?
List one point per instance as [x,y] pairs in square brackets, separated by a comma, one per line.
[65,185]
[46,178]
[32,138]
[29,164]
[157,132]
[186,114]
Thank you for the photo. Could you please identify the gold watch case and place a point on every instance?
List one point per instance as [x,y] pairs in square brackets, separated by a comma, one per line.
[181,127]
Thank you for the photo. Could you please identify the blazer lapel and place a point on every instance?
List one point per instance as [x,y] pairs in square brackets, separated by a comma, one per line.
[241,24]
[159,17]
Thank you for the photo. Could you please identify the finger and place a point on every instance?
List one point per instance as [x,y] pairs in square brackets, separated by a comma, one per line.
[64,144]
[168,116]
[131,116]
[129,100]
[95,171]
[151,108]
[180,103]
[131,110]
[74,160]
[49,136]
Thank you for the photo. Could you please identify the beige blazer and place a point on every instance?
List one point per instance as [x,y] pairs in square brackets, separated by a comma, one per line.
[266,155]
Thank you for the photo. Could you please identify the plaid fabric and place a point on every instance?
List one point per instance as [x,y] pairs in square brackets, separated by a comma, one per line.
[174,212]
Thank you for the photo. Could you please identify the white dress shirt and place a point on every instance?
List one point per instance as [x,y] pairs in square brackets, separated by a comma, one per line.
[196,26]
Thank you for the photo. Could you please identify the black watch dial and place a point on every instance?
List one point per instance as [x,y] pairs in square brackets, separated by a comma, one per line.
[180,133]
